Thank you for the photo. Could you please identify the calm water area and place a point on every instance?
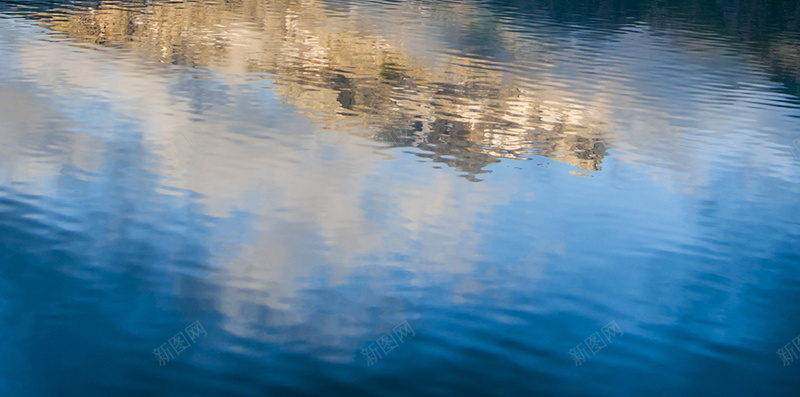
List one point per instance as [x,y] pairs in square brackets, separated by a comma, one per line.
[400,198]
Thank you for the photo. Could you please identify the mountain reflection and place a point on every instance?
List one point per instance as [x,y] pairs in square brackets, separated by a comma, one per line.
[467,109]
[452,80]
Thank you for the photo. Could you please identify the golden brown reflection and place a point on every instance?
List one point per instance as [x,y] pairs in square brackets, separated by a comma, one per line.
[464,111]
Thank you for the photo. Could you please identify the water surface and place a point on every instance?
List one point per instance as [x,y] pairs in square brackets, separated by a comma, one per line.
[302,176]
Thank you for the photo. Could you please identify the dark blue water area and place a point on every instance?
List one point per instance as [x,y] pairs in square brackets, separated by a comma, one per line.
[516,182]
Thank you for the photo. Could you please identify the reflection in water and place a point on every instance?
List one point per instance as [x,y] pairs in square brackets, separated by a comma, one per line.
[265,168]
[463,110]
[458,85]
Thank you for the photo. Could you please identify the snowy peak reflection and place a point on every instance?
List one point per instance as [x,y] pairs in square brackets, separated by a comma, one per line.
[465,107]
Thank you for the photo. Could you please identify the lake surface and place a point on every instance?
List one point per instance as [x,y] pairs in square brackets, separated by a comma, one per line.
[399,198]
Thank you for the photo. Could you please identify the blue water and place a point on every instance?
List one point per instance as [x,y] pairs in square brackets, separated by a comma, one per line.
[299,178]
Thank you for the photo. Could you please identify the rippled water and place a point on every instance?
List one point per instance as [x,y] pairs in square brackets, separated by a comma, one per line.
[301,177]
